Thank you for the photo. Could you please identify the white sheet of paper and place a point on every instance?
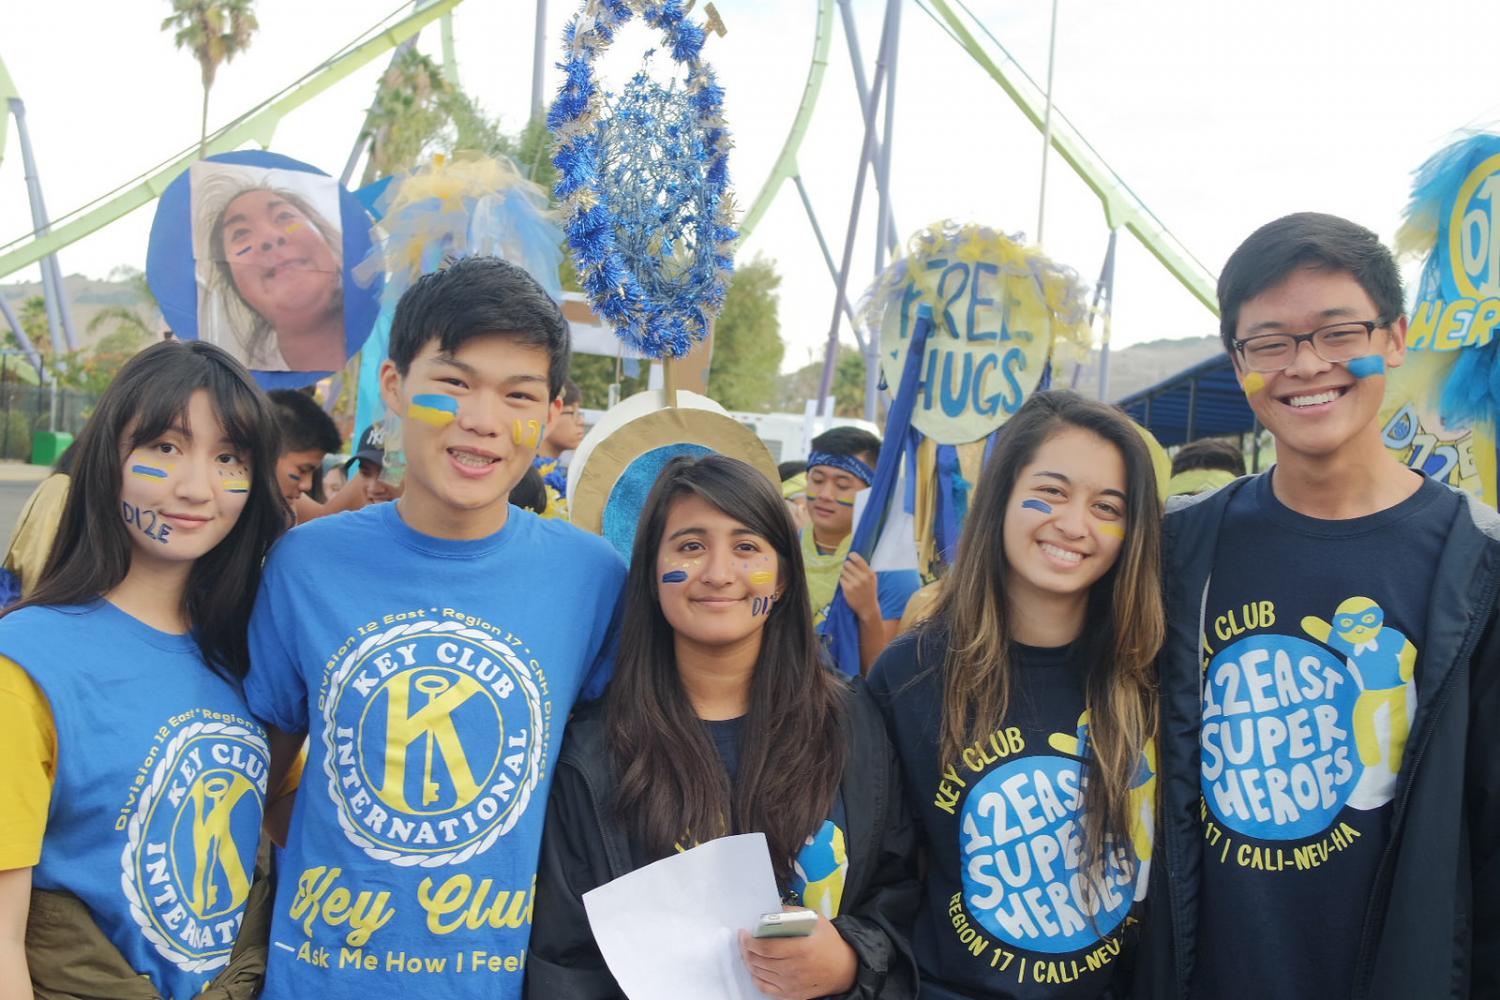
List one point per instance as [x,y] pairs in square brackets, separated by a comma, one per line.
[671,929]
[897,546]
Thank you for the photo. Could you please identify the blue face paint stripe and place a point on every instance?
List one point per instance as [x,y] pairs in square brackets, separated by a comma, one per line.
[1370,364]
[434,401]
[674,576]
[1040,505]
[148,472]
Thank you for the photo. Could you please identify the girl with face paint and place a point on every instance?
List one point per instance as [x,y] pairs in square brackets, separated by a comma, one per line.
[1024,714]
[132,761]
[722,719]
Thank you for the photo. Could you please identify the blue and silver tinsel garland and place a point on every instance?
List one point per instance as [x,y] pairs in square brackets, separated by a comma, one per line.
[645,187]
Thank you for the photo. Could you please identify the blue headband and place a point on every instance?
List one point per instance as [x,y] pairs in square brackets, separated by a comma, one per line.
[846,463]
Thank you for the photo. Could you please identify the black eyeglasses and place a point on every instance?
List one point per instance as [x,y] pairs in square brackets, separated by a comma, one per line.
[1337,343]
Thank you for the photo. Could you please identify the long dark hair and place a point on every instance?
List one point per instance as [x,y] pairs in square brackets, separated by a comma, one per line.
[672,783]
[1124,625]
[92,551]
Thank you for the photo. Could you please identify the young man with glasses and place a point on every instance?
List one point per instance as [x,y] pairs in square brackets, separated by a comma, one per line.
[1331,796]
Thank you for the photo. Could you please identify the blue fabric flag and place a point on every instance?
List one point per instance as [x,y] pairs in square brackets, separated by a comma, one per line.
[841,628]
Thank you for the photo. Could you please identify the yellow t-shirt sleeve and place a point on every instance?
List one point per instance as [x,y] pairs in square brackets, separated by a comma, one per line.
[293,779]
[28,746]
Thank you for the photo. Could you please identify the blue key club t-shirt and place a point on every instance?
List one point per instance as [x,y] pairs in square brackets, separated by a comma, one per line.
[160,785]
[434,678]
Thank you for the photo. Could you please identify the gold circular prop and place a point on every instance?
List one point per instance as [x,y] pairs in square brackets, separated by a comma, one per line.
[619,470]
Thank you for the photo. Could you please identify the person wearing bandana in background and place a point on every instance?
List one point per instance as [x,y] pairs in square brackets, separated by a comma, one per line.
[842,463]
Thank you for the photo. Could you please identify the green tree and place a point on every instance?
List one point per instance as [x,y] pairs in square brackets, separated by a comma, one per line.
[747,340]
[408,114]
[595,373]
[121,320]
[91,369]
[848,384]
[418,112]
[129,320]
[135,279]
[215,31]
[33,317]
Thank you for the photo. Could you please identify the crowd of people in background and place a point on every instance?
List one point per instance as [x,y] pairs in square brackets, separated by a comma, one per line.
[272,718]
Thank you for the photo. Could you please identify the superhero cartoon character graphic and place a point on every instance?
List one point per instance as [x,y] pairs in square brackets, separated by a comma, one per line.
[1383,663]
[1142,796]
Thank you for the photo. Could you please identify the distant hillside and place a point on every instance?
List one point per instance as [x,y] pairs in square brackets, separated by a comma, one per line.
[1141,366]
[86,299]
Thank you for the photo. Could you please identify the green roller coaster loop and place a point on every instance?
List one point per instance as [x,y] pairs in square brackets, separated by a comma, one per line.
[258,126]
[1122,208]
[786,164]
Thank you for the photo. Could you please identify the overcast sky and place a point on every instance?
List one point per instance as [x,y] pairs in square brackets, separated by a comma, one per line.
[1220,116]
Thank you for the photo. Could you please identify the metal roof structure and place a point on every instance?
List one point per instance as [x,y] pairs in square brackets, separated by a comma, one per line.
[1202,401]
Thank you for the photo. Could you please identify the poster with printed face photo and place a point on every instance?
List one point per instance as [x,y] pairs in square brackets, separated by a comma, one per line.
[268,261]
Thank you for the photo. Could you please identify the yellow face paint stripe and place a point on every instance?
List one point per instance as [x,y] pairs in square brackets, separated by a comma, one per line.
[527,433]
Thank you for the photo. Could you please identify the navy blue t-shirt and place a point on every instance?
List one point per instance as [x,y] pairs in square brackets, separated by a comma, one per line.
[1010,910]
[1312,632]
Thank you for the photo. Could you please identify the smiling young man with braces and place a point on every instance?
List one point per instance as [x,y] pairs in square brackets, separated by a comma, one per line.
[434,680]
[1331,809]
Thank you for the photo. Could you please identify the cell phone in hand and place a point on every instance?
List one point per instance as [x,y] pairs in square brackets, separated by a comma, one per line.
[785,924]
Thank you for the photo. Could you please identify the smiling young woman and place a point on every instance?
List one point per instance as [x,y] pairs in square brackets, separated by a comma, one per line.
[722,719]
[1024,712]
[132,649]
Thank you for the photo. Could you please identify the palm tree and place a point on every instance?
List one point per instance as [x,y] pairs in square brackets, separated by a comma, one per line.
[216,31]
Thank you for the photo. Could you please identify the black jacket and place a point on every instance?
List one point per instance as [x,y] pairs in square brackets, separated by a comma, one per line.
[1432,929]
[584,847]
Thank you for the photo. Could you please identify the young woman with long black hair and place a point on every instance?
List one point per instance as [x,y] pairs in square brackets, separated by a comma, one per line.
[722,718]
[134,775]
[1024,713]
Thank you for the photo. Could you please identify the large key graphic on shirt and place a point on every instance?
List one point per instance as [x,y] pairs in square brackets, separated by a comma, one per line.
[432,687]
[433,726]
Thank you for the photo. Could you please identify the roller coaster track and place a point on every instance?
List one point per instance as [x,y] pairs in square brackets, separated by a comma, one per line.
[1122,207]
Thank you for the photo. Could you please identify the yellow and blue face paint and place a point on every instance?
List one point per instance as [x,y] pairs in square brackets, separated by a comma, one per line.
[1370,364]
[527,433]
[141,470]
[236,486]
[434,409]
